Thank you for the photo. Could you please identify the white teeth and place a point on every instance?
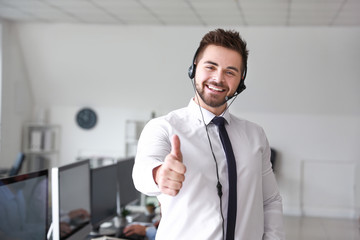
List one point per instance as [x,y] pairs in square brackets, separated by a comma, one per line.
[215,88]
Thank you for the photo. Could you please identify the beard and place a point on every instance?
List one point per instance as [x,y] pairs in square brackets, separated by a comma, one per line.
[209,100]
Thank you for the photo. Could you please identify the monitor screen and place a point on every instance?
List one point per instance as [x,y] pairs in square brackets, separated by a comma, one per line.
[71,201]
[24,206]
[127,191]
[103,194]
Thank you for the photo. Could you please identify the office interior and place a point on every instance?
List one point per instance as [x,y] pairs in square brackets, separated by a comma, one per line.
[302,88]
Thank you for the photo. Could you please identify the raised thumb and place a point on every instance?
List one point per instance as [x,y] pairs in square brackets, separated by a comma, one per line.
[175,147]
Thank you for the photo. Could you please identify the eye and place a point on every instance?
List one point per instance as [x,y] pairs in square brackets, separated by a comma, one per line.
[231,73]
[210,67]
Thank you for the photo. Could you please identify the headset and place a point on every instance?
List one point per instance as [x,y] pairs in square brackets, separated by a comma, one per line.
[241,87]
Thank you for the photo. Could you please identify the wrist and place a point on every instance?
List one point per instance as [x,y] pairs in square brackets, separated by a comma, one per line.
[155,171]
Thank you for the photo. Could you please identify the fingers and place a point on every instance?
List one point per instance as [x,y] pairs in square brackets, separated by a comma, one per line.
[128,230]
[135,229]
[174,167]
[170,181]
[171,174]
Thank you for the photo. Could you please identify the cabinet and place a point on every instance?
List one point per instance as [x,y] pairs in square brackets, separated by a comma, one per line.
[41,146]
[132,134]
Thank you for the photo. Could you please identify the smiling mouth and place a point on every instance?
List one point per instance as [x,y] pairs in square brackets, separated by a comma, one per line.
[214,88]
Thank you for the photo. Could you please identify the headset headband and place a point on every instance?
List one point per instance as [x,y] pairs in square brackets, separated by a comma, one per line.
[192,70]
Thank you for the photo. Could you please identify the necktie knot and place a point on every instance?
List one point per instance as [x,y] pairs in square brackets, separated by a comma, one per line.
[219,121]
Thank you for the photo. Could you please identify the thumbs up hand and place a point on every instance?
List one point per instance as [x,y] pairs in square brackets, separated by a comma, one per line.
[170,175]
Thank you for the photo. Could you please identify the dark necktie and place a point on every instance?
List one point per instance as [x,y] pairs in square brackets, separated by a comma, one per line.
[231,216]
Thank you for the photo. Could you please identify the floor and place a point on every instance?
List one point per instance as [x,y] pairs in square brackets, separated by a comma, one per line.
[314,228]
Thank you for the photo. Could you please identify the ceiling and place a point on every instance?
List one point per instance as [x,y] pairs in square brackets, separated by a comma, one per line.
[186,12]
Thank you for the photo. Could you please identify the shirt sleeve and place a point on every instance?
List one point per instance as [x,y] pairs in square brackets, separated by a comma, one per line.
[273,215]
[151,233]
[153,146]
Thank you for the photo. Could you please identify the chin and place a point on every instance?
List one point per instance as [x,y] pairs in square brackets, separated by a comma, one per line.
[214,103]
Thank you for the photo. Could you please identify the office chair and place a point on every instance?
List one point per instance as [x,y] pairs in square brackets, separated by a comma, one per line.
[15,169]
[273,158]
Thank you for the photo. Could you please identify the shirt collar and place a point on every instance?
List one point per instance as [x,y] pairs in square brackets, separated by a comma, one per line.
[208,116]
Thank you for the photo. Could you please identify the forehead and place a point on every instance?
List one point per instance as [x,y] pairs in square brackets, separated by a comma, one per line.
[221,55]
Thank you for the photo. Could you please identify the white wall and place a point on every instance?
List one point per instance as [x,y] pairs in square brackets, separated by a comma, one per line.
[302,88]
[16,97]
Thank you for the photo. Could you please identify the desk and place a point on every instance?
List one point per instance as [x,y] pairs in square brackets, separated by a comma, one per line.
[115,227]
[108,238]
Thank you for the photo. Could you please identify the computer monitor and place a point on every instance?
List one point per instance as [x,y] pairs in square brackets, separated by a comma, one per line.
[127,191]
[103,194]
[24,206]
[71,201]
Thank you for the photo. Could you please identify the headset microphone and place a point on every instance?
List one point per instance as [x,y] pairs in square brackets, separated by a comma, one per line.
[227,98]
[241,87]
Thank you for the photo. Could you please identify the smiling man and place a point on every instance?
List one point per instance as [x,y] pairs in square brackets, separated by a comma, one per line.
[218,76]
[211,170]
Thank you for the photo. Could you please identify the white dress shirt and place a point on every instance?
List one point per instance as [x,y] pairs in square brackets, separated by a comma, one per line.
[195,212]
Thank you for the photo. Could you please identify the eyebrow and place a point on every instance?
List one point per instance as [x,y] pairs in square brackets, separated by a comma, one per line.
[229,67]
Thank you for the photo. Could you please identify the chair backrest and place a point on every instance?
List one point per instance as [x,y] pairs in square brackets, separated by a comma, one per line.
[15,169]
[273,158]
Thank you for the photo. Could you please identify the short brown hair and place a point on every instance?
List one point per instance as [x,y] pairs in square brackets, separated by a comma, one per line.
[225,38]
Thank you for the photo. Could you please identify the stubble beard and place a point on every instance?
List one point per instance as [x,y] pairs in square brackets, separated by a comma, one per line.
[209,100]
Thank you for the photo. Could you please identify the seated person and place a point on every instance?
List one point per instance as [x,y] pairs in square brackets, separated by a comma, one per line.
[141,230]
[71,218]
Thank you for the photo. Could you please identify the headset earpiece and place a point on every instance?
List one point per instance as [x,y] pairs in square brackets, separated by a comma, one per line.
[192,71]
[192,68]
[242,86]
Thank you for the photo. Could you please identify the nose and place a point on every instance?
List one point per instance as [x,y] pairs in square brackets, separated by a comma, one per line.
[218,76]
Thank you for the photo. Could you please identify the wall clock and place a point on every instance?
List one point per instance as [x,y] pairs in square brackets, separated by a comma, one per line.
[86,118]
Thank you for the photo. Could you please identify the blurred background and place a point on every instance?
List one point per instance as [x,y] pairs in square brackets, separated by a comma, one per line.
[127,61]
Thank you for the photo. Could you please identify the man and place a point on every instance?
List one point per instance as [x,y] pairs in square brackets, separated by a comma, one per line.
[207,191]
